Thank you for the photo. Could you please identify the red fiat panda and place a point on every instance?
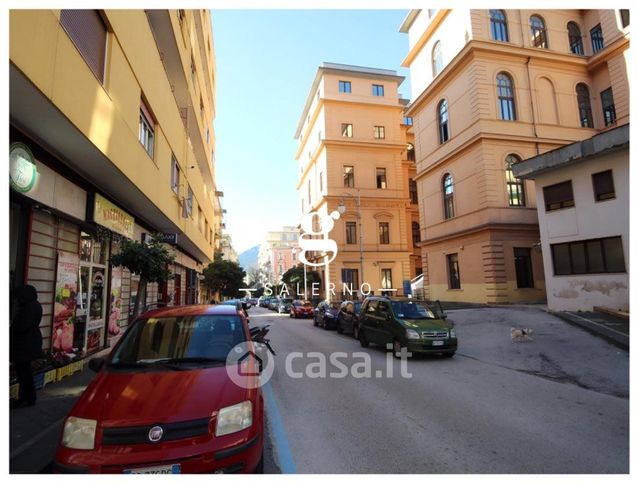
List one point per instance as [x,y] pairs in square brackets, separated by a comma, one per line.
[163,400]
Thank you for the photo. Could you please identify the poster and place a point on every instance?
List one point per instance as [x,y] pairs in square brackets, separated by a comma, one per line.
[116,301]
[66,287]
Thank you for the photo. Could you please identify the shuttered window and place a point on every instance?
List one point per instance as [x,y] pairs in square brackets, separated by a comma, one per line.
[88,32]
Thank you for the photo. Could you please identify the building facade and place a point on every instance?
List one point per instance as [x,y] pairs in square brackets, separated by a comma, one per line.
[584,221]
[227,250]
[354,159]
[277,254]
[111,131]
[491,88]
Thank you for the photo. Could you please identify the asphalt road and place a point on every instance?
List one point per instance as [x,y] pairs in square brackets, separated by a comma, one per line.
[496,407]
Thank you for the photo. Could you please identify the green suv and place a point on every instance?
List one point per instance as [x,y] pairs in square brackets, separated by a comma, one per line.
[404,322]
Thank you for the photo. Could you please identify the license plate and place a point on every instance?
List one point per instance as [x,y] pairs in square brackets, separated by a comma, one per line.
[156,470]
[438,342]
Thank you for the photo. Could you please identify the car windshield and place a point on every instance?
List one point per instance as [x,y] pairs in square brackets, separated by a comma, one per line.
[286,301]
[179,341]
[412,310]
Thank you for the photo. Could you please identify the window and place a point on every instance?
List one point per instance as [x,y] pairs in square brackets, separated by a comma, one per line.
[523,266]
[384,233]
[505,94]
[444,133]
[351,232]
[437,59]
[379,132]
[575,39]
[350,277]
[407,121]
[411,153]
[377,90]
[624,18]
[609,110]
[558,196]
[175,175]
[539,33]
[448,196]
[87,31]
[381,179]
[386,280]
[188,204]
[431,12]
[603,186]
[498,25]
[321,182]
[346,130]
[146,129]
[345,87]
[414,197]
[453,273]
[348,177]
[604,255]
[515,186]
[596,35]
[584,106]
[416,233]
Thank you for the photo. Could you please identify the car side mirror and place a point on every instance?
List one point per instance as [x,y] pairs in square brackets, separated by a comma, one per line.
[96,364]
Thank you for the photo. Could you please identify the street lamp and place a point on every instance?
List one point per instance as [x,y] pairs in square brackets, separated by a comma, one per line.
[342,209]
[294,252]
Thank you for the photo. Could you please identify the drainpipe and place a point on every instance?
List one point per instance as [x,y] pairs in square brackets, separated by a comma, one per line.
[529,81]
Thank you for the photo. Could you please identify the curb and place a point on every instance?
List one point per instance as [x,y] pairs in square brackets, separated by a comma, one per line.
[613,337]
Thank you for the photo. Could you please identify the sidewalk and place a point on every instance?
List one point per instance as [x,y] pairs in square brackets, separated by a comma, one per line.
[34,431]
[612,328]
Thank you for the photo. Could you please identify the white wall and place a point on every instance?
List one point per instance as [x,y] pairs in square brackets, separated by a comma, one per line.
[587,220]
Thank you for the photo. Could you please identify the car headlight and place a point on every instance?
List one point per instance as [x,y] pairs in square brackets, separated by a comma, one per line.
[79,433]
[412,334]
[234,418]
[452,334]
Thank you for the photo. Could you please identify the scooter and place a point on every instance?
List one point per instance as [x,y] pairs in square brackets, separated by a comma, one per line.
[258,334]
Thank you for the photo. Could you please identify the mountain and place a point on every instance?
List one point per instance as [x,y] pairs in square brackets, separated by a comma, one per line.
[248,259]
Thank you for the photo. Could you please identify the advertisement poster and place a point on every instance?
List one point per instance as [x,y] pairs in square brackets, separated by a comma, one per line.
[116,301]
[66,287]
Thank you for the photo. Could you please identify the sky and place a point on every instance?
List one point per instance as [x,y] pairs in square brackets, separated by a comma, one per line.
[266,61]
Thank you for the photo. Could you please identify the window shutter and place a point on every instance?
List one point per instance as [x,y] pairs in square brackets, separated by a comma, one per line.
[88,32]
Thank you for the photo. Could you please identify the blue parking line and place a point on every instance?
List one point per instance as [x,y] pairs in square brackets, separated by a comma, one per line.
[280,440]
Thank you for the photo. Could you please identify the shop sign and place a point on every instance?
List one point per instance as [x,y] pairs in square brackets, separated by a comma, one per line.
[169,238]
[110,216]
[23,173]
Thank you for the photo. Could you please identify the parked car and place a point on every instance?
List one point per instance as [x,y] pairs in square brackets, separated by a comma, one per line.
[326,315]
[263,301]
[301,308]
[348,317]
[163,402]
[405,322]
[274,303]
[284,306]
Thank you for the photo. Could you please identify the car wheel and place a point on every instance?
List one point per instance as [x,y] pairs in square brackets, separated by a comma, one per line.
[362,339]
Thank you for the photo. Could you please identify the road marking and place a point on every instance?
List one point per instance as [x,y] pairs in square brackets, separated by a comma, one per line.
[280,441]
[601,325]
[27,444]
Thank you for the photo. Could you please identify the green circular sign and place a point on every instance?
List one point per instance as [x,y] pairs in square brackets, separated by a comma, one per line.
[22,169]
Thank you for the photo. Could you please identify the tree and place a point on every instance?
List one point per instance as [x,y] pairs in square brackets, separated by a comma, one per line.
[149,260]
[295,276]
[224,276]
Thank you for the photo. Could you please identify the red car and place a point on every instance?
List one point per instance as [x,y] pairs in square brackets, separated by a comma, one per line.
[164,402]
[301,308]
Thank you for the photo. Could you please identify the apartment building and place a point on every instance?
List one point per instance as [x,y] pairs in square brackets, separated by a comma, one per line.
[227,250]
[356,157]
[278,254]
[491,88]
[111,131]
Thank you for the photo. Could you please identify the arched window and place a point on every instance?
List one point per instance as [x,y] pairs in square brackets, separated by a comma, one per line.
[539,32]
[498,26]
[437,59]
[575,39]
[411,153]
[444,132]
[584,106]
[505,95]
[448,196]
[416,233]
[515,186]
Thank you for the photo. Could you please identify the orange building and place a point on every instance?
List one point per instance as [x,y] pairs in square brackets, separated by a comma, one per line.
[354,158]
[491,88]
